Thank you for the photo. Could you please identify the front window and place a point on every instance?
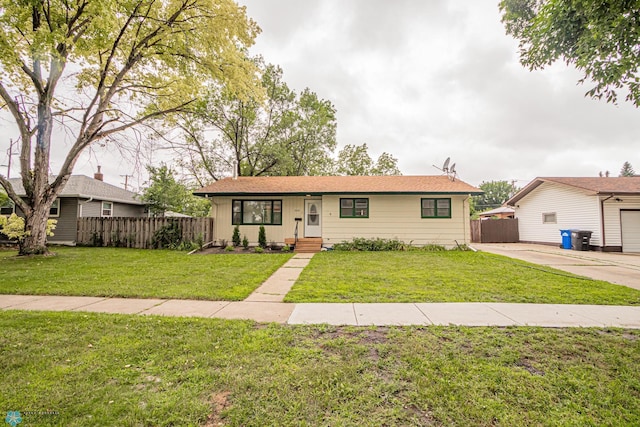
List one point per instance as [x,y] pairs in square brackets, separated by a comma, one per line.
[248,212]
[436,208]
[7,208]
[107,209]
[354,208]
[54,210]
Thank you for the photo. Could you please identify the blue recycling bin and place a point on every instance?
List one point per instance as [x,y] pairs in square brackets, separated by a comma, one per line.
[566,239]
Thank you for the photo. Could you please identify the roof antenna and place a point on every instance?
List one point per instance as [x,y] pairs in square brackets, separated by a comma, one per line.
[449,171]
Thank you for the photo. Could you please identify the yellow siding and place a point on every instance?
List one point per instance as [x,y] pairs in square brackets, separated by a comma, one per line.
[397,217]
[390,217]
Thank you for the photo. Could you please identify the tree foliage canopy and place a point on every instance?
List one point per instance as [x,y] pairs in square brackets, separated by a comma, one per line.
[164,193]
[495,194]
[284,134]
[600,38]
[627,170]
[355,160]
[130,61]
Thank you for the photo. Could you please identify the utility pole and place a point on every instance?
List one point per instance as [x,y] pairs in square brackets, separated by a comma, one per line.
[10,153]
[126,181]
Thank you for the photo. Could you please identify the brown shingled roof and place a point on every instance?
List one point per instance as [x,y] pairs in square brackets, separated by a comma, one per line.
[336,185]
[595,185]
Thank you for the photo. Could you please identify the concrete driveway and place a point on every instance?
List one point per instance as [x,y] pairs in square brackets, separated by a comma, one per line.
[614,267]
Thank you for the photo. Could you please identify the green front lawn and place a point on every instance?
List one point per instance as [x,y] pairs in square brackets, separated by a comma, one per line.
[76,369]
[137,273]
[453,276]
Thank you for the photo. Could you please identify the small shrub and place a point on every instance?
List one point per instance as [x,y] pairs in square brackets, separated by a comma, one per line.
[199,241]
[169,236]
[229,248]
[188,246]
[258,250]
[262,237]
[245,242]
[236,236]
[96,240]
[286,248]
[377,244]
[223,243]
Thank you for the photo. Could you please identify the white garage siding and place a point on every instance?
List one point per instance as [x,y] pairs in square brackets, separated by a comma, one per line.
[574,208]
[397,217]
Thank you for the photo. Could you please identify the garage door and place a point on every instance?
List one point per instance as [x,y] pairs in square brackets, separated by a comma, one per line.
[630,231]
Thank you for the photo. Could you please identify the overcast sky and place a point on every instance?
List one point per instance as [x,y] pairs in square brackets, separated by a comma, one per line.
[427,80]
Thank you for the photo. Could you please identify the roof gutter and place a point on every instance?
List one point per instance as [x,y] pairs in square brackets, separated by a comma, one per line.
[337,193]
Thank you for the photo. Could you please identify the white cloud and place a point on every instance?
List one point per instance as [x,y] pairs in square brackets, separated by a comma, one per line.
[428,80]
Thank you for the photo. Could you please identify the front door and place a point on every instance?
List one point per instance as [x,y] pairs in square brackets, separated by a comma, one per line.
[312,218]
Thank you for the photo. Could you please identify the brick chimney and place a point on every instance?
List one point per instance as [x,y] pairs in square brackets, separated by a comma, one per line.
[98,175]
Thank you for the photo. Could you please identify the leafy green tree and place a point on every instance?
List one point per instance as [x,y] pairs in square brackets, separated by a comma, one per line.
[284,134]
[355,160]
[130,61]
[164,193]
[627,170]
[495,194]
[600,38]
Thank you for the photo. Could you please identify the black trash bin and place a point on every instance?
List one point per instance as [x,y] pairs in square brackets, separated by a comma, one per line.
[580,240]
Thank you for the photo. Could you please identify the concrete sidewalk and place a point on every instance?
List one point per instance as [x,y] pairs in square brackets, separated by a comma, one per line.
[463,314]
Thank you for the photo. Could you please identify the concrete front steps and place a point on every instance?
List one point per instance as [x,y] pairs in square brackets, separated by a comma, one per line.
[305,245]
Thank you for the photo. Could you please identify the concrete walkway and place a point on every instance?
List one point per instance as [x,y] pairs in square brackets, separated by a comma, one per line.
[265,305]
[280,283]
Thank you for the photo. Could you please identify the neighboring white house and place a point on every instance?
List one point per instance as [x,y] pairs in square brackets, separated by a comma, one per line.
[608,207]
[417,209]
[502,212]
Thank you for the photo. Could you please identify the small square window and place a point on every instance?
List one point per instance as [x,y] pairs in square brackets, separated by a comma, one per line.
[107,209]
[54,210]
[549,218]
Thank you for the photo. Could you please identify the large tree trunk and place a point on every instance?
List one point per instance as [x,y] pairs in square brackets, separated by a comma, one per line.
[35,243]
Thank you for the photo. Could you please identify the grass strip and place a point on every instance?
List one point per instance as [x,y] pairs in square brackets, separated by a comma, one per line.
[137,273]
[99,369]
[452,276]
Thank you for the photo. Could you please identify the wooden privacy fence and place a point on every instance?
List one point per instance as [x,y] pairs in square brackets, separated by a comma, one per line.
[495,231]
[138,232]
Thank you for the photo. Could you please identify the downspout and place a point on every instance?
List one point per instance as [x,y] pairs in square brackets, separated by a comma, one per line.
[602,220]
[90,199]
[465,220]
